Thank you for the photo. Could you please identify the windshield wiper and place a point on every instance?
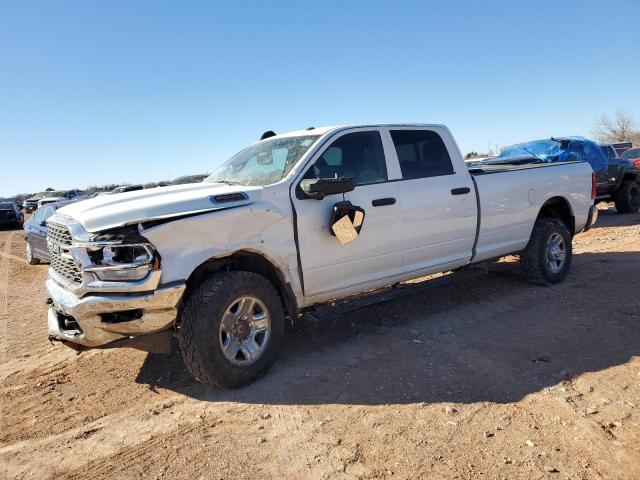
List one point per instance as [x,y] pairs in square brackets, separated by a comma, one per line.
[228,182]
[532,154]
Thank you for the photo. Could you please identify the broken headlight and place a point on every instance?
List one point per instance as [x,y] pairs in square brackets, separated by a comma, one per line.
[122,262]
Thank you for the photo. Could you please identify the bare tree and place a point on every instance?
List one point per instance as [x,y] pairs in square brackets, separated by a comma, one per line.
[622,128]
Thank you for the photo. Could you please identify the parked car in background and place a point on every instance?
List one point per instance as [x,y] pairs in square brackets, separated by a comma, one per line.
[616,179]
[60,195]
[280,228]
[632,155]
[189,179]
[126,188]
[10,214]
[30,204]
[35,232]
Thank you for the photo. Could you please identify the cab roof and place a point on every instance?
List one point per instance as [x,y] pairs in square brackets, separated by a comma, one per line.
[324,130]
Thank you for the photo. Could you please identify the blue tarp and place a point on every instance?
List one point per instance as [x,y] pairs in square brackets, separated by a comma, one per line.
[560,150]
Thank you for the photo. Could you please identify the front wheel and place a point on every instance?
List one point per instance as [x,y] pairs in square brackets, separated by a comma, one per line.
[547,257]
[29,254]
[627,198]
[231,329]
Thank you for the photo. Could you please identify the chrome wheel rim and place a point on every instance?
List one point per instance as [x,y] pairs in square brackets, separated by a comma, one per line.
[245,330]
[29,254]
[556,253]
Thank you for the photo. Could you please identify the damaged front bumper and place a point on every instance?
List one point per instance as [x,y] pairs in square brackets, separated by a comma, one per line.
[110,319]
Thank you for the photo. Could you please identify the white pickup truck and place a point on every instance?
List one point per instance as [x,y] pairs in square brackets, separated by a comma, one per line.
[291,222]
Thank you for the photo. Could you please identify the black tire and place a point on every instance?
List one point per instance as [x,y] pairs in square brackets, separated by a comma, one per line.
[627,198]
[29,254]
[200,328]
[535,260]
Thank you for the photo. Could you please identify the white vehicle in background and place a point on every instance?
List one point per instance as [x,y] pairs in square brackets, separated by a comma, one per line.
[293,222]
[54,196]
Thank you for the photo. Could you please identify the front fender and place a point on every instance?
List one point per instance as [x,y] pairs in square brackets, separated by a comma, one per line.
[261,228]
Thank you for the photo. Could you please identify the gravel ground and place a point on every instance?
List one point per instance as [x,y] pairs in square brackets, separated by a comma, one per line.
[487,378]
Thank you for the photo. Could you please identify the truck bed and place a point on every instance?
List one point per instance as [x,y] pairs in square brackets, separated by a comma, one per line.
[486,169]
[509,203]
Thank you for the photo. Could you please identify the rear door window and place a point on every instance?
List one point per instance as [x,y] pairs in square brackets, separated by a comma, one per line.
[421,154]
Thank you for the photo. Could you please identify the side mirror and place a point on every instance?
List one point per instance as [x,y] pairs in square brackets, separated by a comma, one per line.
[321,187]
[43,223]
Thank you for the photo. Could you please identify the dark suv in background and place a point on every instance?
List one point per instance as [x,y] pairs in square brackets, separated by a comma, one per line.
[10,214]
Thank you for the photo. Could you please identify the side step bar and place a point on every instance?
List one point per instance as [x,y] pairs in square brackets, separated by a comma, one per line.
[325,311]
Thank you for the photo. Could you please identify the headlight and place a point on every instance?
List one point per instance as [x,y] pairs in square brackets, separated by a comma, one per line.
[122,262]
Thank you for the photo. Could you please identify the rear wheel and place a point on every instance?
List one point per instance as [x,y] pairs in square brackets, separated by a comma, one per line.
[231,329]
[627,198]
[29,253]
[547,257]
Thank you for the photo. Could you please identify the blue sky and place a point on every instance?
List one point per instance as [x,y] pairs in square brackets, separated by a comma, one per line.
[95,92]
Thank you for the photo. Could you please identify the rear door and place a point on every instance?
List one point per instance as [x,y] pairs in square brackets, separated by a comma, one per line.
[332,270]
[34,232]
[437,196]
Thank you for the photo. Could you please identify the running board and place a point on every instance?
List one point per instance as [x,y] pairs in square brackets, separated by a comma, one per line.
[325,311]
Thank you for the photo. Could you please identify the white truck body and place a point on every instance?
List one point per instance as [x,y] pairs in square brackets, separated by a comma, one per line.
[424,225]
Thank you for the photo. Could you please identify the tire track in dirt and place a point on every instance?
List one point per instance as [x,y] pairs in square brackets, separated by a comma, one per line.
[13,257]
[4,289]
[294,461]
[108,437]
[4,281]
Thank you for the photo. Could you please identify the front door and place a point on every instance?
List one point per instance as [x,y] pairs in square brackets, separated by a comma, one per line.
[333,270]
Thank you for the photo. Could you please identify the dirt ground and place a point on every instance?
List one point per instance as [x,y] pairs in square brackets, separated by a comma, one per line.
[488,378]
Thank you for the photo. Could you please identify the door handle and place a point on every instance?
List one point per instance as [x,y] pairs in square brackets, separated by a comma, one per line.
[380,202]
[460,191]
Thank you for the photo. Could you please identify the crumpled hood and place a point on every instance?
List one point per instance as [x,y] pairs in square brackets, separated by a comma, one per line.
[109,211]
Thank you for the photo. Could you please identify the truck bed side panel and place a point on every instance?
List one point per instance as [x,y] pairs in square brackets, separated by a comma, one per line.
[511,200]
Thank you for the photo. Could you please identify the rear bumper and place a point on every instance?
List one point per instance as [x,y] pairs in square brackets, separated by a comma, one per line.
[591,218]
[89,321]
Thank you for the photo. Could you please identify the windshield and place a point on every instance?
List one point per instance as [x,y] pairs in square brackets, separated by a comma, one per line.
[55,194]
[6,206]
[264,163]
[541,149]
[631,153]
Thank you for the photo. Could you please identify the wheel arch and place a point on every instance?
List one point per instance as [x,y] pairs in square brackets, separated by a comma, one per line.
[246,261]
[560,209]
[630,175]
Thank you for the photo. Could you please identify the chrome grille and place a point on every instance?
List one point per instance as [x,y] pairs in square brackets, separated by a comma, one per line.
[58,234]
[62,261]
